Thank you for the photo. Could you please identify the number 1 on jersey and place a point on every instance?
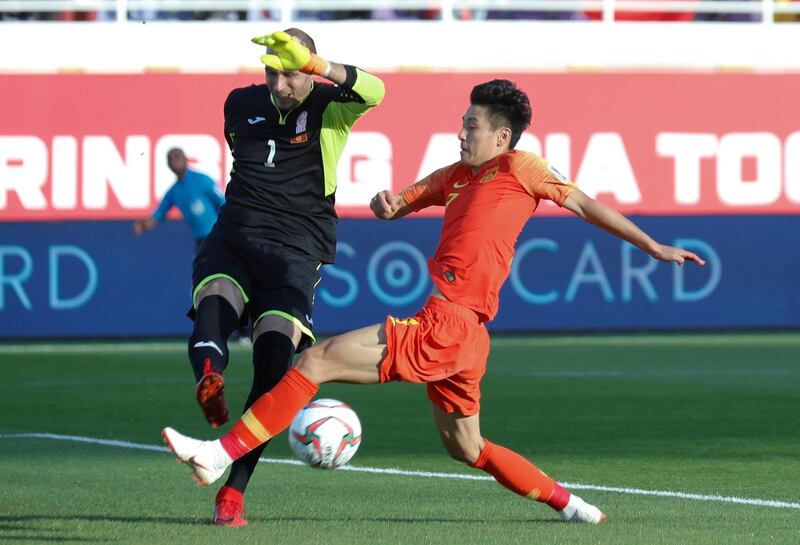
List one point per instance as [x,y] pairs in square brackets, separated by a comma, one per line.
[272,148]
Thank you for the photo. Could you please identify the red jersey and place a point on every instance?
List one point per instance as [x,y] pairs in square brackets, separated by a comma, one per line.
[484,214]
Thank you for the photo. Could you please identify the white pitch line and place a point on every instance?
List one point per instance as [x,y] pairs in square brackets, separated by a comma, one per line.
[644,373]
[429,474]
[93,348]
[105,382]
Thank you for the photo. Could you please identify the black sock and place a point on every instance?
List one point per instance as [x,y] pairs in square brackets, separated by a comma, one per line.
[214,322]
[272,357]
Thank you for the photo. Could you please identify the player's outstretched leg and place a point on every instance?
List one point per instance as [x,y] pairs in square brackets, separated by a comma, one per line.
[522,477]
[461,436]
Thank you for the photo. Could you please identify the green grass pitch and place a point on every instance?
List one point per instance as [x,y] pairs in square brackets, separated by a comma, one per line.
[711,422]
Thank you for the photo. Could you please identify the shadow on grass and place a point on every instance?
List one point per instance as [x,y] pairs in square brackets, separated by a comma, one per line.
[50,539]
[205,521]
[461,521]
[98,518]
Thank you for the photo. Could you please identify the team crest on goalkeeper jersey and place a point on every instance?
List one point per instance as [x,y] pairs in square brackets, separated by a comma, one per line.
[301,123]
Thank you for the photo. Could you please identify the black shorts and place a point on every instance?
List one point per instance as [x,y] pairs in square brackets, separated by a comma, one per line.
[274,279]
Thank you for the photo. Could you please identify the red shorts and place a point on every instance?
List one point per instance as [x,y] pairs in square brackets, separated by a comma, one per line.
[443,346]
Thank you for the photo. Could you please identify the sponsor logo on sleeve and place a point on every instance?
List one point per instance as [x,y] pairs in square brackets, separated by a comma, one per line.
[560,177]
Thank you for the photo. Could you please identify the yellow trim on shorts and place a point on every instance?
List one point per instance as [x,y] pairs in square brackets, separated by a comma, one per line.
[289,317]
[407,321]
[255,427]
[318,279]
[208,279]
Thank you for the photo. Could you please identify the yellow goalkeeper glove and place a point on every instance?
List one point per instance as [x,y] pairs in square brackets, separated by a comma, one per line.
[290,54]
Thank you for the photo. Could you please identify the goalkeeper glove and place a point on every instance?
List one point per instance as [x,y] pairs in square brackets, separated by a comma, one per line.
[290,54]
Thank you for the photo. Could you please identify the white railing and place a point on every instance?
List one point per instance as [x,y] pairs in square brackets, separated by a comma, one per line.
[288,11]
[122,44]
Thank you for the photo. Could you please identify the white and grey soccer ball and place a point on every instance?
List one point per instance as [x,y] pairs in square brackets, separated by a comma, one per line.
[326,433]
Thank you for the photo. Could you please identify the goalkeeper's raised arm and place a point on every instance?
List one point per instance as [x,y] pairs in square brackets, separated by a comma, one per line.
[293,50]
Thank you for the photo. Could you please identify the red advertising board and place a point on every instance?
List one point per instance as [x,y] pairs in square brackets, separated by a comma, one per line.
[79,146]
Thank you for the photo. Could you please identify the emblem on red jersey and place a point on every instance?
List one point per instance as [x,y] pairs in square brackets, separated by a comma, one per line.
[448,274]
[490,174]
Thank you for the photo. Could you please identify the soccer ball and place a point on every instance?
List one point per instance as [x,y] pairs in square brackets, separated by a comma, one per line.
[325,433]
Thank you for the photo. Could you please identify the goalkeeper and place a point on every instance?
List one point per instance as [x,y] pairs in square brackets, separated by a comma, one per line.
[278,226]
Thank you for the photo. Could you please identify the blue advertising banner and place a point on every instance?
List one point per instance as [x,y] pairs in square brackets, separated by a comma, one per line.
[95,279]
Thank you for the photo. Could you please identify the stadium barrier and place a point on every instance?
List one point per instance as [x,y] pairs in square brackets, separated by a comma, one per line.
[94,279]
[223,47]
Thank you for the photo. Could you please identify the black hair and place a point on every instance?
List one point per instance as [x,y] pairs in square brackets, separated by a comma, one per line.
[507,105]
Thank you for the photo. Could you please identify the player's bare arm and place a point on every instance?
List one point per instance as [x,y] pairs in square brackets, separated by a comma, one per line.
[615,223]
[388,205]
[338,74]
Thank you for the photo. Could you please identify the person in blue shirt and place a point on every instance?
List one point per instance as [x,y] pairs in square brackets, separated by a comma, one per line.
[199,199]
[196,195]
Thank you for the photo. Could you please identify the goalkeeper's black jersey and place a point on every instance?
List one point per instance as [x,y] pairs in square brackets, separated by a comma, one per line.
[283,179]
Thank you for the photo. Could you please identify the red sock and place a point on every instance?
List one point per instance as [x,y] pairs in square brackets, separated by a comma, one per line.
[520,476]
[270,414]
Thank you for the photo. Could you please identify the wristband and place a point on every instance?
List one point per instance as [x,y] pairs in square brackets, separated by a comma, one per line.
[316,65]
[327,72]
